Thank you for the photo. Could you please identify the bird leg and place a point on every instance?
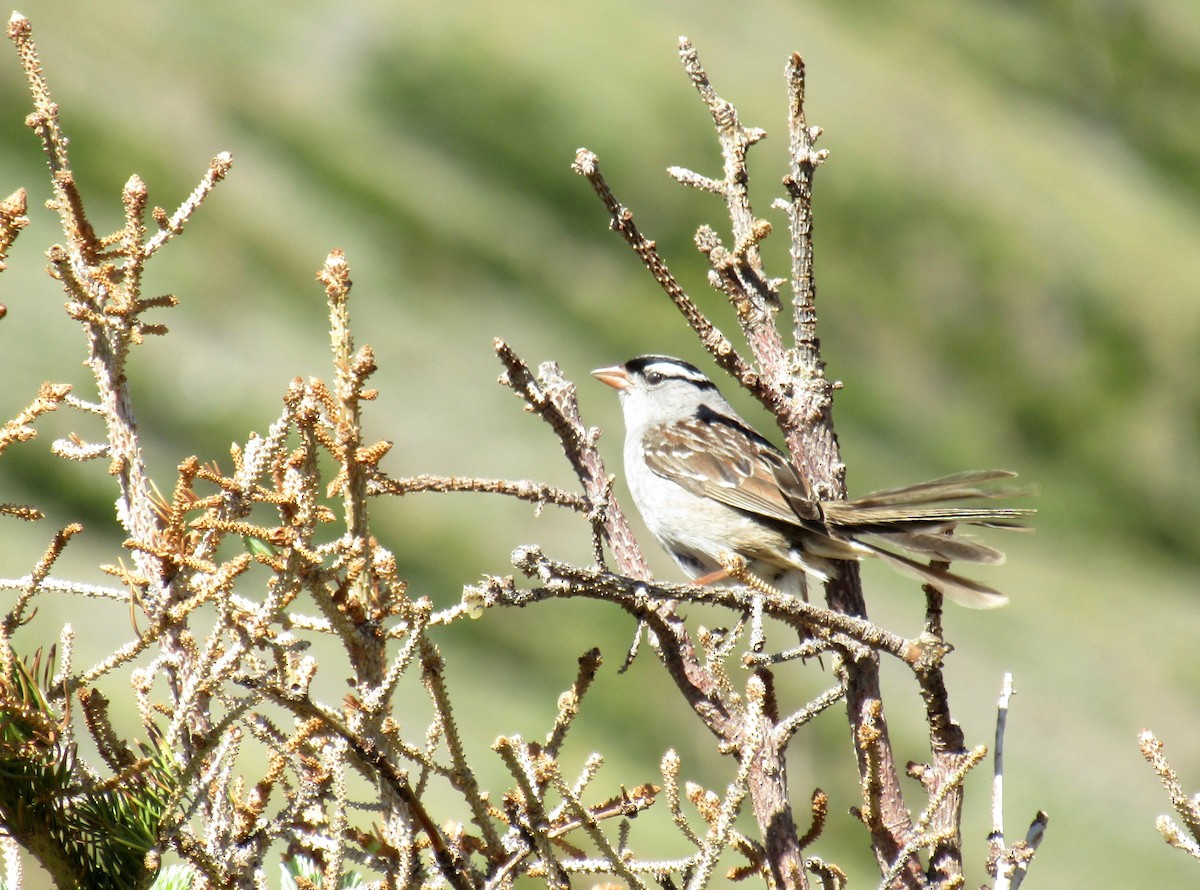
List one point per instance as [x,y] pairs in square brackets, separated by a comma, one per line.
[711,577]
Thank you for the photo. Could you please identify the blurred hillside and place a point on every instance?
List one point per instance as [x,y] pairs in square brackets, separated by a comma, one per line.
[1008,267]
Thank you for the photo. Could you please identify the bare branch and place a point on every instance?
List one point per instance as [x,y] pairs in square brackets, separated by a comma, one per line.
[1008,863]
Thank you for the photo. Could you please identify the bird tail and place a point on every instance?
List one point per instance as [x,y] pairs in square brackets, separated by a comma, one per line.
[962,590]
[916,519]
[960,486]
[922,510]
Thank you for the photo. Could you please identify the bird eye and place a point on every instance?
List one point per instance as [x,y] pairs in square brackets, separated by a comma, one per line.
[654,378]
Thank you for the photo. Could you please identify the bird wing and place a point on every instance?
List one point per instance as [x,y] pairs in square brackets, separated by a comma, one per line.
[718,457]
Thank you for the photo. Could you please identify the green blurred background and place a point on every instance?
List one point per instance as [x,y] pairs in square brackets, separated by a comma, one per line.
[1008,257]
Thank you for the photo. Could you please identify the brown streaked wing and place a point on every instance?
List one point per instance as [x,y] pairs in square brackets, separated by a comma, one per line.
[730,463]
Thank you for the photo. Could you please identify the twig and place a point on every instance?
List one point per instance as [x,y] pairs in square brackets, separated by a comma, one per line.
[218,169]
[453,871]
[804,162]
[432,669]
[787,728]
[945,833]
[641,599]
[949,755]
[588,822]
[670,773]
[12,220]
[1009,864]
[588,165]
[718,833]
[739,272]
[628,805]
[553,399]
[568,702]
[536,492]
[997,835]
[529,814]
[1188,807]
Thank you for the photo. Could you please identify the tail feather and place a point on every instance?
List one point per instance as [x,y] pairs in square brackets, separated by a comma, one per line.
[964,591]
[960,486]
[915,518]
[944,547]
[853,516]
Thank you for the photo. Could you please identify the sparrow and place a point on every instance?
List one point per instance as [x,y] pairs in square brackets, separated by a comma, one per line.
[708,486]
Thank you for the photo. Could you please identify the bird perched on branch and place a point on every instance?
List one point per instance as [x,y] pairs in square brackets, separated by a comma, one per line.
[708,486]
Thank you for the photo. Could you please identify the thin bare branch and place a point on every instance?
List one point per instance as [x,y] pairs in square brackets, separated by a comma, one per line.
[1009,863]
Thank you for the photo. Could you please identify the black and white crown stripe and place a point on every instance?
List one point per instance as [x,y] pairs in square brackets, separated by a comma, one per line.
[656,368]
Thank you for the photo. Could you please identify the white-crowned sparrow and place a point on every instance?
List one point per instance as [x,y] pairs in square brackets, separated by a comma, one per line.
[708,486]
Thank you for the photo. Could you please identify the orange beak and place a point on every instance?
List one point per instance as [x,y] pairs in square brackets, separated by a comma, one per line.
[616,377]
